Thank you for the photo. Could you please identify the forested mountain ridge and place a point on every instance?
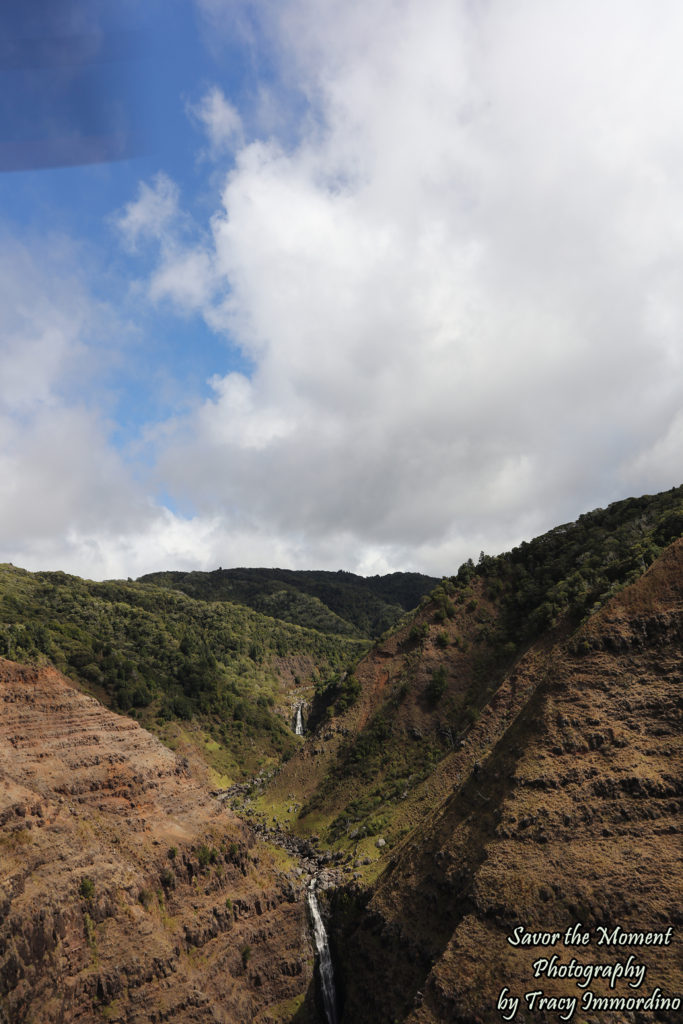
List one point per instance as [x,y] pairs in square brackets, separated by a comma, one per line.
[333,602]
[172,661]
[227,650]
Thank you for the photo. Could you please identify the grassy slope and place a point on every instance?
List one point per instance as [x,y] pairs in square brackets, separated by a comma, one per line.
[186,668]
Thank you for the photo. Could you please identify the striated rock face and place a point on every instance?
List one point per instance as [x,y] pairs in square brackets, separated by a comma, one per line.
[129,894]
[126,892]
[564,807]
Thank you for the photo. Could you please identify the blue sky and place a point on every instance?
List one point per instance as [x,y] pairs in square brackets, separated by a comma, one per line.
[162,65]
[369,286]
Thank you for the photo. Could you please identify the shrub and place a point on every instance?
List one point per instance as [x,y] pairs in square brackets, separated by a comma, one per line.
[87,888]
[167,879]
[146,897]
[436,685]
[349,693]
[206,855]
[90,933]
[470,714]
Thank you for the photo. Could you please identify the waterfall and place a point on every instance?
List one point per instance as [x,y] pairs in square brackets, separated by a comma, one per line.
[299,721]
[324,958]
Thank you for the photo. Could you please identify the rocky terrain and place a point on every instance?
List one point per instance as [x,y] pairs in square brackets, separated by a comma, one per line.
[563,806]
[127,892]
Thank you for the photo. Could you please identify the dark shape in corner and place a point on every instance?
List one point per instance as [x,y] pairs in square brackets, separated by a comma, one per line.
[69,89]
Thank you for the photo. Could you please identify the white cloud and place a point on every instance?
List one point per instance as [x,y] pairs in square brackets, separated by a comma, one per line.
[44,314]
[152,215]
[458,282]
[458,286]
[61,476]
[183,274]
[185,277]
[219,119]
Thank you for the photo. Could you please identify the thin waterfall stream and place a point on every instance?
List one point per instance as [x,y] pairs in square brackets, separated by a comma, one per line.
[324,958]
[299,721]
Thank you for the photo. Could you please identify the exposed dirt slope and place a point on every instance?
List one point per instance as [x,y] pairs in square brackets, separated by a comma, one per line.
[97,920]
[572,814]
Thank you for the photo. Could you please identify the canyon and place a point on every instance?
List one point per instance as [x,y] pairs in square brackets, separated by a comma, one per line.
[476,794]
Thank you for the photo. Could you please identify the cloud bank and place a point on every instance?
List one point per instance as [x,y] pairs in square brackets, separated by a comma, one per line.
[457,283]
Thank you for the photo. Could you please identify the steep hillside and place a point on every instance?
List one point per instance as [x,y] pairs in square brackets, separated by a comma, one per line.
[333,602]
[211,673]
[382,731]
[509,756]
[128,894]
[561,806]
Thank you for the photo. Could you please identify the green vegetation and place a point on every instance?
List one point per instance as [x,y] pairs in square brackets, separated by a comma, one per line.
[562,576]
[332,602]
[501,605]
[383,765]
[207,855]
[167,879]
[162,656]
[87,888]
[90,934]
[418,632]
[187,651]
[436,685]
[333,696]
[573,569]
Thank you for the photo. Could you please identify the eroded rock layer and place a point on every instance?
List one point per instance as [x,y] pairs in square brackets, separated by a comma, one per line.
[127,893]
[564,808]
